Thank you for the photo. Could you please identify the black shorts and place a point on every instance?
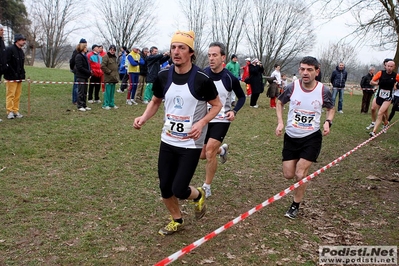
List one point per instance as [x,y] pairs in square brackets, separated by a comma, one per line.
[380,100]
[307,148]
[176,168]
[217,131]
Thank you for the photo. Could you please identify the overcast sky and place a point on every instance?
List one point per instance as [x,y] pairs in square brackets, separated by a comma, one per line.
[170,19]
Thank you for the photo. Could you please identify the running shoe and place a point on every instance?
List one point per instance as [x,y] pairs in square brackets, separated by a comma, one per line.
[372,134]
[384,128]
[292,212]
[171,228]
[18,115]
[10,115]
[200,206]
[207,190]
[370,126]
[223,158]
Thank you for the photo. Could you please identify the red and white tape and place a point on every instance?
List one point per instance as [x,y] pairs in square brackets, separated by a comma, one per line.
[245,215]
[60,82]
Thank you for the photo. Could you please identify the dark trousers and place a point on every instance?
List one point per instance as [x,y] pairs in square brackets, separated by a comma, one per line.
[395,107]
[74,90]
[124,82]
[82,93]
[94,86]
[367,96]
[254,99]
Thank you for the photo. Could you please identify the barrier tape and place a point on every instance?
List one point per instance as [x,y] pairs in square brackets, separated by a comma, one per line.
[67,82]
[245,215]
[62,82]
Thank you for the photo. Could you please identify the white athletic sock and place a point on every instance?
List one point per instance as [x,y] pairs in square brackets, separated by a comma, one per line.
[206,185]
[223,151]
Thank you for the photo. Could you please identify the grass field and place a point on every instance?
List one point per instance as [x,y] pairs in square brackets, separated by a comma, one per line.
[80,188]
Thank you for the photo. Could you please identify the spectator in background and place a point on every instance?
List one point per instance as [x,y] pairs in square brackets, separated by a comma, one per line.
[2,52]
[72,67]
[102,53]
[123,76]
[318,77]
[83,72]
[276,89]
[154,62]
[143,75]
[294,77]
[367,89]
[255,79]
[97,74]
[245,74]
[338,79]
[134,62]
[284,81]
[14,72]
[109,66]
[234,67]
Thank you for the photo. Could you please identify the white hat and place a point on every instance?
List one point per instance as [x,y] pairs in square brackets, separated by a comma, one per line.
[247,59]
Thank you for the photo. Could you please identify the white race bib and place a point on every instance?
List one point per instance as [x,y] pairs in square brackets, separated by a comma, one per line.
[384,94]
[221,115]
[177,126]
[303,119]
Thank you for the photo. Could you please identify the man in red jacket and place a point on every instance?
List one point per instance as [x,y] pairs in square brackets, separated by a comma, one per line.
[245,75]
[97,74]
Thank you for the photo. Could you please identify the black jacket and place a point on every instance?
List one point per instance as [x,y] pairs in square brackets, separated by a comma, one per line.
[365,82]
[15,59]
[338,78]
[3,64]
[154,66]
[255,76]
[82,67]
[72,60]
[143,68]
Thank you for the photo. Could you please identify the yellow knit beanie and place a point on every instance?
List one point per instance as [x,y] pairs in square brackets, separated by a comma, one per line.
[186,37]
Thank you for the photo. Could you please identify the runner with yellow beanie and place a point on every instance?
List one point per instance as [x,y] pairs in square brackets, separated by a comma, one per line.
[189,93]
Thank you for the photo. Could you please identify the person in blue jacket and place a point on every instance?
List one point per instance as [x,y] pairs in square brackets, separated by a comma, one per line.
[338,79]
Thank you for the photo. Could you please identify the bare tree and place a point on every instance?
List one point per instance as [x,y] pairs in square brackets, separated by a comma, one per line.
[332,55]
[228,20]
[376,21]
[195,12]
[52,22]
[278,31]
[126,22]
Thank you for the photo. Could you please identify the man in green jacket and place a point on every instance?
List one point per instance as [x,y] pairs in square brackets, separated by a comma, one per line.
[109,66]
[234,67]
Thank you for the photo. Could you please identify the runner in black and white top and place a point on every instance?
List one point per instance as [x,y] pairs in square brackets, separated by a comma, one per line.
[226,83]
[385,79]
[187,91]
[303,136]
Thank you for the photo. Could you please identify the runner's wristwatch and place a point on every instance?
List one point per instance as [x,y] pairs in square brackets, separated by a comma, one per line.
[329,122]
